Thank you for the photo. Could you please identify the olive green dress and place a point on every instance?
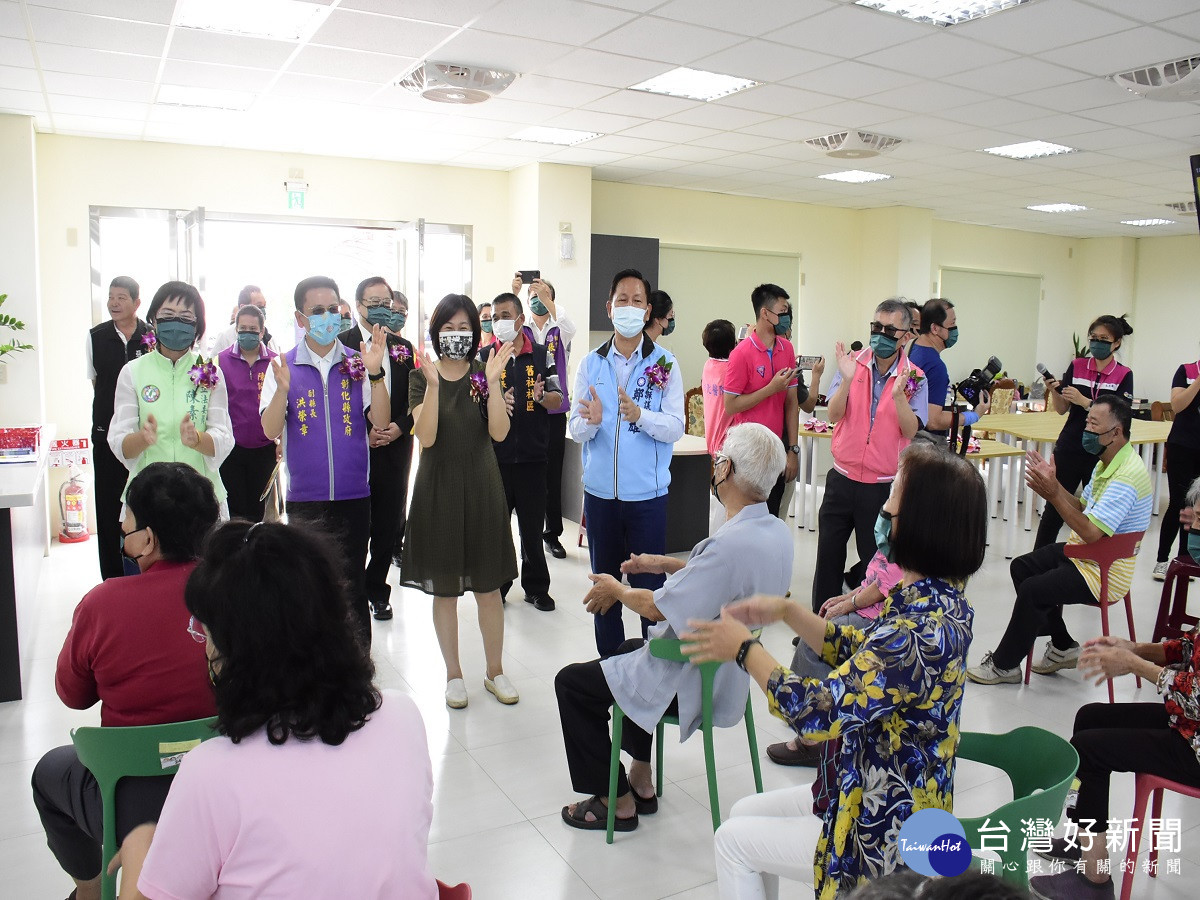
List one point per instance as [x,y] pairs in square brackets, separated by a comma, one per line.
[458,537]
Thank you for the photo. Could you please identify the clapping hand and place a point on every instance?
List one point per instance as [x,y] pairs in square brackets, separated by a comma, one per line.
[187,433]
[630,411]
[496,362]
[1040,475]
[591,411]
[845,361]
[509,400]
[283,375]
[1104,658]
[761,609]
[714,641]
[643,564]
[606,591]
[149,431]
[539,389]
[373,358]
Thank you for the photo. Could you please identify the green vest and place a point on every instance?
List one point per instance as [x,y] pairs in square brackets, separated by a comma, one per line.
[166,390]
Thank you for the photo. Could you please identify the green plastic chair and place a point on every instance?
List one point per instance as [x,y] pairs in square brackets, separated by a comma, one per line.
[669,648]
[111,754]
[1040,766]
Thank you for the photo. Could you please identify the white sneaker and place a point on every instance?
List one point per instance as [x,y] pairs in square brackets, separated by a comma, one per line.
[1054,659]
[1160,571]
[987,672]
[502,688]
[456,693]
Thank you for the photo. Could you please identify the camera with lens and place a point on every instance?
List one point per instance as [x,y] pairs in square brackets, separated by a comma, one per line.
[974,387]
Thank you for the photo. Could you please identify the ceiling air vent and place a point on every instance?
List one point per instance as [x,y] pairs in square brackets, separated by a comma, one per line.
[1187,207]
[853,144]
[455,83]
[1171,81]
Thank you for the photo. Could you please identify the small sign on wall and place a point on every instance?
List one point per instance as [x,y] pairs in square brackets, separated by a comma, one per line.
[295,193]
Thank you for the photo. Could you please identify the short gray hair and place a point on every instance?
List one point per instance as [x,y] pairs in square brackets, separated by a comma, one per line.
[1193,494]
[757,455]
[896,305]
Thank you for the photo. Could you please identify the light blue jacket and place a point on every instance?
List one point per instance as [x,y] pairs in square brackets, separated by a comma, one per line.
[624,460]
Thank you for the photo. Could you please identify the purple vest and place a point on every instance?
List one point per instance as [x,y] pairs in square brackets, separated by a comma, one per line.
[556,348]
[326,432]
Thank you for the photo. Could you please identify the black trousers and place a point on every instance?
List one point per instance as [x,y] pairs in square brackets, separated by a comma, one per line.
[1045,581]
[584,704]
[525,492]
[1126,737]
[67,798]
[557,427]
[1183,467]
[349,523]
[1073,470]
[849,507]
[389,496]
[245,474]
[402,500]
[111,476]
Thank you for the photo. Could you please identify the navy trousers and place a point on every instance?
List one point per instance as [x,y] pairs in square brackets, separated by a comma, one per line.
[615,529]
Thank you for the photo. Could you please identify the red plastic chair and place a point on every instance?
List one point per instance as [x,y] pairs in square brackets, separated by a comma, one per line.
[458,892]
[1144,786]
[1172,616]
[1104,553]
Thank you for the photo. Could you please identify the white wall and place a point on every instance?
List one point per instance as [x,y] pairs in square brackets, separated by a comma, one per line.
[1166,314]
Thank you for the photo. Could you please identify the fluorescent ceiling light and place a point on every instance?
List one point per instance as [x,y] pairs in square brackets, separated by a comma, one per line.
[1029,150]
[695,84]
[1057,207]
[203,98]
[855,176]
[940,12]
[564,137]
[1147,223]
[281,20]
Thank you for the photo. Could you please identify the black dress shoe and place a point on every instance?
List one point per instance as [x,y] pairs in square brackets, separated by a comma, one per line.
[544,602]
[554,545]
[381,611]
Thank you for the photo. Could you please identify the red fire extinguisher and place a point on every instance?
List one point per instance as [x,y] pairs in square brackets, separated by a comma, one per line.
[72,506]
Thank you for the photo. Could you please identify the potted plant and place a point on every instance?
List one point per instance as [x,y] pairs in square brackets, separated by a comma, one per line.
[14,344]
[1081,349]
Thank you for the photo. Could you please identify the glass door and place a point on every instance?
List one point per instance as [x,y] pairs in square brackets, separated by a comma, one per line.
[190,241]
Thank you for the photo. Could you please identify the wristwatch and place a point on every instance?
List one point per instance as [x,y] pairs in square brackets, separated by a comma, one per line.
[795,448]
[740,659]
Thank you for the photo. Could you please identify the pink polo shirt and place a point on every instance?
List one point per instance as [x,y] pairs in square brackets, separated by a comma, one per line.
[751,366]
[716,420]
[301,819]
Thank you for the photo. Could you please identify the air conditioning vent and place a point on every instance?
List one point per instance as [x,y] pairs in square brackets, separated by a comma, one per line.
[1176,81]
[853,144]
[1187,207]
[454,83]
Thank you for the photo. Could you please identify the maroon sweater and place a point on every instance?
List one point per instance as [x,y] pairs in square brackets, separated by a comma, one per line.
[129,648]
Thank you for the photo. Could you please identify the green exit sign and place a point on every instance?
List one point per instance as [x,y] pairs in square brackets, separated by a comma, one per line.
[295,199]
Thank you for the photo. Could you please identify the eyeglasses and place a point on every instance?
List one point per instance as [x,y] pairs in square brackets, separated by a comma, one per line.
[889,330]
[198,636]
[375,302]
[1096,339]
[322,310]
[162,320]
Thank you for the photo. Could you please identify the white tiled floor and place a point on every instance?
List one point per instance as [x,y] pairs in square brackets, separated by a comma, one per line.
[501,777]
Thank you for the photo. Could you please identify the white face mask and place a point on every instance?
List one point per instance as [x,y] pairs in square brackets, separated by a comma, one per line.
[504,329]
[455,344]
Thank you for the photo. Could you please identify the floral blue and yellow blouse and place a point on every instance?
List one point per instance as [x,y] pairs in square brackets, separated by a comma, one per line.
[894,699]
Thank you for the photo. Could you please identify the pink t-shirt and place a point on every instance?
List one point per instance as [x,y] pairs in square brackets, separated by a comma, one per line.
[751,367]
[716,420]
[886,575]
[302,819]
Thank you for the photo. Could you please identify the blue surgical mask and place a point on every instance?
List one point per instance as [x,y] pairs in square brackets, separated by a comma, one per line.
[1091,442]
[883,534]
[175,335]
[324,328]
[629,320]
[537,307]
[379,315]
[952,337]
[1100,349]
[883,346]
[485,326]
[249,340]
[784,325]
[1193,545]
[398,320]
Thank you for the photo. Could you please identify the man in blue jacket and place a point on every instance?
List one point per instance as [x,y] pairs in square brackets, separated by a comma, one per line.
[628,416]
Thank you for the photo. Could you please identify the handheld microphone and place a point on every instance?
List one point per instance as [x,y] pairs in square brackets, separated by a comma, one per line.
[1045,373]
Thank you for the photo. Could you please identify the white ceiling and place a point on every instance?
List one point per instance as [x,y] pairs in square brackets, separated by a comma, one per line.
[93,67]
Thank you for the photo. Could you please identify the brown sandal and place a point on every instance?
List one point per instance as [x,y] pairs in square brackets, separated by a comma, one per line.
[596,807]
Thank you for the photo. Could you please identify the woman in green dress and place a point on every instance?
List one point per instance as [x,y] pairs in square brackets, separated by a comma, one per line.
[458,536]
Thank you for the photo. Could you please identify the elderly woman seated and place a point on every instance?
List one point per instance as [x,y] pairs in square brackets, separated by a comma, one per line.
[129,649]
[1160,738]
[750,553]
